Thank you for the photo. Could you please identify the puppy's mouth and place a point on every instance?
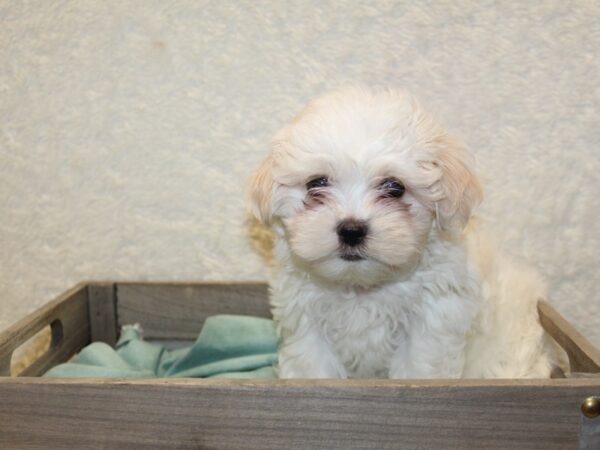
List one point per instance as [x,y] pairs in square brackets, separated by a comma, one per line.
[351,256]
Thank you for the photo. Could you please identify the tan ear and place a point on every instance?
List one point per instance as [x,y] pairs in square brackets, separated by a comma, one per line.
[461,189]
[261,192]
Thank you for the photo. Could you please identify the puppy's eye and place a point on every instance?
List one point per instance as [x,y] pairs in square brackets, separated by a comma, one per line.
[317,182]
[392,188]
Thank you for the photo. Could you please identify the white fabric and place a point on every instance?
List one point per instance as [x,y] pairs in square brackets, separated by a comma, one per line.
[127,129]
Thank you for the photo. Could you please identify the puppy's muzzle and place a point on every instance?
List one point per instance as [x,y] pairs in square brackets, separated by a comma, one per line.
[352,232]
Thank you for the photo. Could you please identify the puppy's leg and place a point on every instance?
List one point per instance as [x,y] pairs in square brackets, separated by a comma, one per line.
[435,346]
[308,355]
[510,341]
[426,358]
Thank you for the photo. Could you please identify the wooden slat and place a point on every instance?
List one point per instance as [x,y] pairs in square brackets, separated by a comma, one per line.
[291,414]
[583,356]
[103,313]
[177,311]
[68,317]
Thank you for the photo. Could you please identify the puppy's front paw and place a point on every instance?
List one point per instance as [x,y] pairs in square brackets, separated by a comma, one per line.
[308,371]
[305,366]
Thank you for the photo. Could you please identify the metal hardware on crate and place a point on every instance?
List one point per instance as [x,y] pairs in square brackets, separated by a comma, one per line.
[589,436]
[591,407]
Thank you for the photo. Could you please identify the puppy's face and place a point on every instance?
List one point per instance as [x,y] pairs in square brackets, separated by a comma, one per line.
[356,182]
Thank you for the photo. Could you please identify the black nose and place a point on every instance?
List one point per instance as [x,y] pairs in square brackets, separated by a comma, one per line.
[352,232]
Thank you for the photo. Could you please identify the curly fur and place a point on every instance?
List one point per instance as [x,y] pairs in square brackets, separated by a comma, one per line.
[427,295]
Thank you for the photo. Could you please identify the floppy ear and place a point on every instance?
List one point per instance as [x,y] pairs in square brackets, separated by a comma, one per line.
[260,193]
[459,185]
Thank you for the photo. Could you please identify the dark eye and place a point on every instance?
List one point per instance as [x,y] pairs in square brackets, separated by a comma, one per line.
[317,182]
[392,188]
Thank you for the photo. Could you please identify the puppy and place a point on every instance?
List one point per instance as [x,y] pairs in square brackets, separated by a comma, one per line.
[381,272]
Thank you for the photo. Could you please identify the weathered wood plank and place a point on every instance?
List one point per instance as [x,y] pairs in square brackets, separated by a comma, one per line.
[583,356]
[291,414]
[188,413]
[67,316]
[177,311]
[103,313]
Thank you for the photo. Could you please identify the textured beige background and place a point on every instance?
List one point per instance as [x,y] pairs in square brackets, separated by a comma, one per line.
[128,128]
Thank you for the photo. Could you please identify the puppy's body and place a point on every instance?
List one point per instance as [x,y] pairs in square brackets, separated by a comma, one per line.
[463,312]
[380,272]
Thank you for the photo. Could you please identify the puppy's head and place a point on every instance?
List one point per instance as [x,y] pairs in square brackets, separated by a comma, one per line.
[356,181]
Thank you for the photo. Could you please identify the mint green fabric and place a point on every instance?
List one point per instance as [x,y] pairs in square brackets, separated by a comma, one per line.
[228,346]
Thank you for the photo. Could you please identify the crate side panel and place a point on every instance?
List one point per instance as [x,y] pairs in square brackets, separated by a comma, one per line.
[279,415]
[103,314]
[69,320]
[177,311]
[583,356]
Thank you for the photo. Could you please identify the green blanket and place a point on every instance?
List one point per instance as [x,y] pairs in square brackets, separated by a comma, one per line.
[228,346]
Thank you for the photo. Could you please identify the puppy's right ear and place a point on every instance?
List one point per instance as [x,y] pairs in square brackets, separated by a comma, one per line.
[260,195]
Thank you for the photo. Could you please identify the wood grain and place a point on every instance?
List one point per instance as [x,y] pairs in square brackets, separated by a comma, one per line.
[292,414]
[583,356]
[103,313]
[177,311]
[67,316]
[265,414]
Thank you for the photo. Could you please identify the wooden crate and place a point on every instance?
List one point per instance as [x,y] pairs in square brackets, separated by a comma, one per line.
[81,413]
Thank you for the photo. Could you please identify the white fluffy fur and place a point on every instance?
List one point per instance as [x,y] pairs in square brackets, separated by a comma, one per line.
[431,297]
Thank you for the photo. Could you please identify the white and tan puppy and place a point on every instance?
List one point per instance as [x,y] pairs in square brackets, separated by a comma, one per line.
[381,271]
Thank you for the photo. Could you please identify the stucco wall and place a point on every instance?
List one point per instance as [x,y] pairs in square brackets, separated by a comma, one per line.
[128,128]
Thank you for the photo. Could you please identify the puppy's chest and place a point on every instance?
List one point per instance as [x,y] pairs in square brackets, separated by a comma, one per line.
[364,335]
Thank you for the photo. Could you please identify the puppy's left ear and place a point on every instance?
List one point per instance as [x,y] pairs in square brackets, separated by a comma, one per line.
[460,187]
[260,192]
